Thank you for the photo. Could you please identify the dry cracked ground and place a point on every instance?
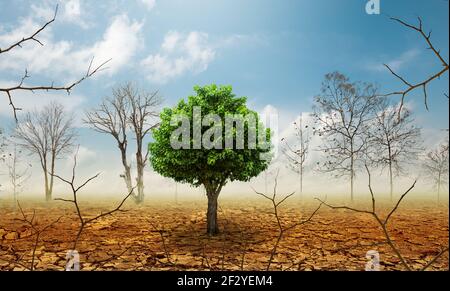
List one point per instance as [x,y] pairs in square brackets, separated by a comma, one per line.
[167,236]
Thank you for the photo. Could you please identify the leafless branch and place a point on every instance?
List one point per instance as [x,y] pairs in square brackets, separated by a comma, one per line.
[32,37]
[343,113]
[67,88]
[392,142]
[33,225]
[22,87]
[129,108]
[435,165]
[84,223]
[297,153]
[163,240]
[430,263]
[424,83]
[47,134]
[383,222]
[282,230]
[205,257]
[102,263]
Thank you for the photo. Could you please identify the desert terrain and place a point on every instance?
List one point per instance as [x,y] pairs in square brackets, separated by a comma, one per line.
[163,235]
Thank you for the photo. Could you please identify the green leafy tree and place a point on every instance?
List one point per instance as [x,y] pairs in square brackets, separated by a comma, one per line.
[213,150]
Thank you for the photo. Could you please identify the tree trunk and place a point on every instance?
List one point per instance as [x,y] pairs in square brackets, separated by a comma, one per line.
[140,176]
[301,181]
[302,157]
[48,194]
[52,172]
[439,187]
[211,215]
[14,178]
[391,183]
[352,176]
[43,160]
[391,179]
[212,192]
[127,173]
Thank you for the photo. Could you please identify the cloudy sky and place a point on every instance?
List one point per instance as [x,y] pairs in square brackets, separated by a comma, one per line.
[274,52]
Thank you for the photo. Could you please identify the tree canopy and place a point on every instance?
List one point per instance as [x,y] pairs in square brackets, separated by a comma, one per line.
[216,165]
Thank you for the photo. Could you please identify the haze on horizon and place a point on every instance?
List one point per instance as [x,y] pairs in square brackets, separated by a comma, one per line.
[274,53]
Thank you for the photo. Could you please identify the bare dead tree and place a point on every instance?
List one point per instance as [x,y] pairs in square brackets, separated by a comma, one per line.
[410,86]
[383,223]
[84,222]
[21,86]
[18,173]
[111,118]
[129,108]
[436,167]
[282,229]
[394,142]
[342,114]
[142,119]
[297,152]
[48,134]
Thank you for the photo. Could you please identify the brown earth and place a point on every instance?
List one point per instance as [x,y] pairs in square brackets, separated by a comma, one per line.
[164,236]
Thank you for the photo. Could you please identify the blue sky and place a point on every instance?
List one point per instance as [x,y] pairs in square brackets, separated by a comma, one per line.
[274,52]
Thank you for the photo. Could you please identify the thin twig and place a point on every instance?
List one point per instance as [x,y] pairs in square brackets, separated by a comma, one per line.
[383,223]
[424,83]
[282,230]
[37,231]
[21,87]
[32,37]
[83,221]
[163,240]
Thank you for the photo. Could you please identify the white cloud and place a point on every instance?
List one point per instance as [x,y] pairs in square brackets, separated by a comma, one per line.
[70,11]
[120,42]
[191,52]
[171,41]
[238,40]
[85,156]
[398,63]
[180,53]
[150,4]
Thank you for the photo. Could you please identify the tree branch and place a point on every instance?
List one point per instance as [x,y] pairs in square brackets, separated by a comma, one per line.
[282,230]
[83,221]
[422,84]
[31,37]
